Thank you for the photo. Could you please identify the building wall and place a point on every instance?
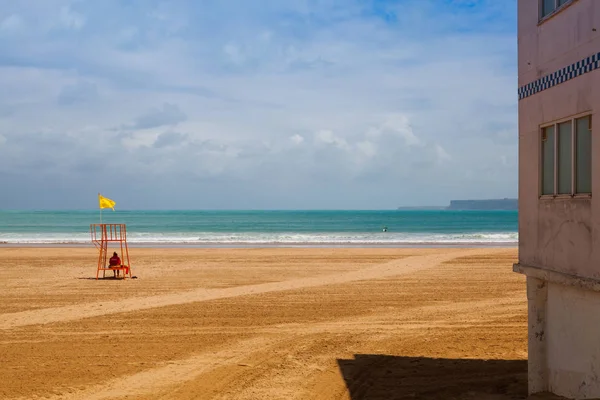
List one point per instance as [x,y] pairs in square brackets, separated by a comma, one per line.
[558,234]
[573,360]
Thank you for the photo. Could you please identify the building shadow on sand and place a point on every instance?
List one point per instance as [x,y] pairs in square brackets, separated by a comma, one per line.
[378,377]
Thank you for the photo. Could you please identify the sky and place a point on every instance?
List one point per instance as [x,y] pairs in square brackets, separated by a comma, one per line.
[256,104]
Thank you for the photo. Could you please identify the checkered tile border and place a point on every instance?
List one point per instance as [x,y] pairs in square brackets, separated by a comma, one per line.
[562,75]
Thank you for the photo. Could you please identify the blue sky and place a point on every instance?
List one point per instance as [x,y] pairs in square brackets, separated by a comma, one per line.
[256,104]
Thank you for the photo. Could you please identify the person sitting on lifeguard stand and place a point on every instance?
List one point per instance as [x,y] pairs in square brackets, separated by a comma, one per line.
[115,261]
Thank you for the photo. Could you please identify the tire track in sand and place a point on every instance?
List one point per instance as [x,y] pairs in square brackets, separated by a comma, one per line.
[87,310]
[153,381]
[174,373]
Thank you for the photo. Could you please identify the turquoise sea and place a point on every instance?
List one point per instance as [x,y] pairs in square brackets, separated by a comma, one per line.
[268,228]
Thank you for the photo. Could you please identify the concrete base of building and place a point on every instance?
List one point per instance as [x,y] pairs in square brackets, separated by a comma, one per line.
[564,333]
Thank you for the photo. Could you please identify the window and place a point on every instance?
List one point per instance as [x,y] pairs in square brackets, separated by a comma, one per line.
[565,160]
[548,160]
[583,160]
[567,157]
[547,7]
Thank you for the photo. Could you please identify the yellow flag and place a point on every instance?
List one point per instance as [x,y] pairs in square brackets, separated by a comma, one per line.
[105,202]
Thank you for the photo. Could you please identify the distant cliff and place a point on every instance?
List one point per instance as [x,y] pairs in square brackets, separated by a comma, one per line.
[493,204]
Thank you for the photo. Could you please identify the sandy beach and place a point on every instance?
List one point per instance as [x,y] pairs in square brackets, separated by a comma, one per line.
[264,324]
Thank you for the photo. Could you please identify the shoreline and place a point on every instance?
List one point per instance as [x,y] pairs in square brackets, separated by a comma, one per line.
[428,245]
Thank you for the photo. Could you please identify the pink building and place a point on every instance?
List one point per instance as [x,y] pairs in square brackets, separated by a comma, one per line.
[559,219]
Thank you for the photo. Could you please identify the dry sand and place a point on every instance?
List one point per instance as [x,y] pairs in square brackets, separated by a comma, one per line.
[264,324]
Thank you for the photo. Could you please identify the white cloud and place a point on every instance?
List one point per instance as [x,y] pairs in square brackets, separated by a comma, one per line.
[139,139]
[71,19]
[234,52]
[399,124]
[168,139]
[328,137]
[167,115]
[367,148]
[317,103]
[11,23]
[442,154]
[297,139]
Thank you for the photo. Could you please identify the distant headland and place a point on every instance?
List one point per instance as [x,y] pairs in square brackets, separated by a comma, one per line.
[490,205]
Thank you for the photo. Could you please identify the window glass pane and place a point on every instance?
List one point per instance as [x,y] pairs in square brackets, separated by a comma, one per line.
[548,160]
[548,6]
[561,2]
[565,162]
[583,156]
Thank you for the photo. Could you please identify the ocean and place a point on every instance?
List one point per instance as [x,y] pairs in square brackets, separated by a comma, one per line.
[268,228]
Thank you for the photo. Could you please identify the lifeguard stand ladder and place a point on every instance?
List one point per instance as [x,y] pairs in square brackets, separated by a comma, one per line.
[102,235]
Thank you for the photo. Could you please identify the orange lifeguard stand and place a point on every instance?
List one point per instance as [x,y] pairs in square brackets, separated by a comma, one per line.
[102,235]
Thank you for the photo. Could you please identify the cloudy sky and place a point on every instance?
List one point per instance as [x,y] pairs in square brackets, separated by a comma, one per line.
[256,104]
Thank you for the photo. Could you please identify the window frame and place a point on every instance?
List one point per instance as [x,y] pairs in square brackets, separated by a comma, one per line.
[557,8]
[573,119]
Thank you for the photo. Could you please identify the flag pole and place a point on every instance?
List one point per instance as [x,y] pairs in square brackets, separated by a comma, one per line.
[100,208]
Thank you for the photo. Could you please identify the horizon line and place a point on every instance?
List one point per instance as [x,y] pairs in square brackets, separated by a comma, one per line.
[400,208]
